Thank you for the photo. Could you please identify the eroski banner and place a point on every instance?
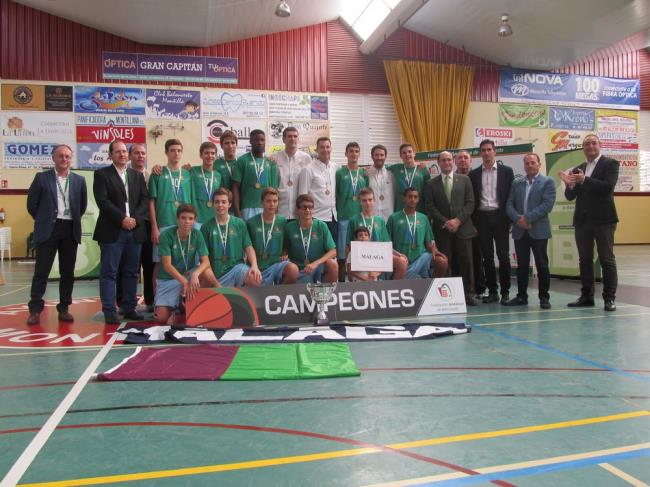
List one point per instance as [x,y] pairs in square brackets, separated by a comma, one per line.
[335,333]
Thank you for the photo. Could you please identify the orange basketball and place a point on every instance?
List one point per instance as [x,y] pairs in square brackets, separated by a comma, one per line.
[209,309]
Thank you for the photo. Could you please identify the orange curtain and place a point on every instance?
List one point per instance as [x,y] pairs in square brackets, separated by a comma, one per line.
[431,101]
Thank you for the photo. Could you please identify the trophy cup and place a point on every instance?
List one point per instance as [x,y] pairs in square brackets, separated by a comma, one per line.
[321,294]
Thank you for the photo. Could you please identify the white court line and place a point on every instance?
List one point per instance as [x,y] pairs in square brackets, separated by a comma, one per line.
[29,454]
[516,466]
[14,291]
[625,476]
[562,319]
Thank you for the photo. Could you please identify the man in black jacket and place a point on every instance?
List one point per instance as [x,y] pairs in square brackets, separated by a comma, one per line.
[592,184]
[491,183]
[122,197]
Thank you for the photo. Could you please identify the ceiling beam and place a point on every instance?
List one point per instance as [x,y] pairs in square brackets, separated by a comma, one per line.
[398,17]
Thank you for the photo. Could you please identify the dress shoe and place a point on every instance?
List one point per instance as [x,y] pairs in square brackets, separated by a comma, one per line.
[491,298]
[133,315]
[505,299]
[516,301]
[66,316]
[544,303]
[34,319]
[582,302]
[112,319]
[470,301]
[610,305]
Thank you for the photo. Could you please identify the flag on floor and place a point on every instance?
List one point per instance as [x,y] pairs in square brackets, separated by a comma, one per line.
[236,362]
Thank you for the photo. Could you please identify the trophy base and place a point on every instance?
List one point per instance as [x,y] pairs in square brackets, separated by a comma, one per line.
[321,322]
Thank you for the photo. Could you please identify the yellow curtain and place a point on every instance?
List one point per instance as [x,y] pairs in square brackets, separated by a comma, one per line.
[431,101]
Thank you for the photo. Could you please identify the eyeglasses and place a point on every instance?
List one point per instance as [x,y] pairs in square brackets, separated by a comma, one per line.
[303,207]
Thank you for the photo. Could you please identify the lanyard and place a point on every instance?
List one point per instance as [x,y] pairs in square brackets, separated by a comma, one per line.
[184,256]
[64,192]
[369,227]
[412,226]
[259,168]
[266,236]
[354,182]
[208,189]
[409,180]
[176,183]
[306,242]
[223,236]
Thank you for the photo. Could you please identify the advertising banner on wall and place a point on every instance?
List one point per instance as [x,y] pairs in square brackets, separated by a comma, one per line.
[618,131]
[516,115]
[516,85]
[298,106]
[29,155]
[233,103]
[92,155]
[173,104]
[163,67]
[212,130]
[109,99]
[109,133]
[37,127]
[500,136]
[309,132]
[559,140]
[563,255]
[572,118]
[23,97]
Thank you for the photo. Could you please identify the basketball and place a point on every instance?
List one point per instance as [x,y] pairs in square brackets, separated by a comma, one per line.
[209,309]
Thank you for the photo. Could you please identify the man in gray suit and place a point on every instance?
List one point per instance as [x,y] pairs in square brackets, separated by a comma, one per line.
[449,202]
[56,200]
[530,201]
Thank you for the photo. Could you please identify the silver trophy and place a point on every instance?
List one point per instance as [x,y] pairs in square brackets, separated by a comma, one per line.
[321,294]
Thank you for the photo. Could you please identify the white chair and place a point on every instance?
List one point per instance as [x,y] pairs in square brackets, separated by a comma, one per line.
[5,242]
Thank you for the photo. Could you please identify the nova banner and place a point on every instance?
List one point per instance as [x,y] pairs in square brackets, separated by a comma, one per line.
[517,86]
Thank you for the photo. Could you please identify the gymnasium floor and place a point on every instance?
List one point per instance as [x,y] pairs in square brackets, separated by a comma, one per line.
[529,398]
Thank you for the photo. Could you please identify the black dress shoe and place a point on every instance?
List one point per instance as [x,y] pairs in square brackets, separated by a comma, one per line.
[66,316]
[112,319]
[582,302]
[133,315]
[516,301]
[610,305]
[491,298]
[34,319]
[470,301]
[544,303]
[505,299]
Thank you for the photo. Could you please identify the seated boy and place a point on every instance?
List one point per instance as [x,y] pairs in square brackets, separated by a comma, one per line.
[361,234]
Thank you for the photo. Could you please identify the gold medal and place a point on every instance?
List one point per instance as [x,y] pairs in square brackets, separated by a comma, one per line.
[265,256]
[354,198]
[209,204]
[224,258]
[177,204]
[414,246]
[327,191]
[258,185]
[381,197]
[306,261]
[290,183]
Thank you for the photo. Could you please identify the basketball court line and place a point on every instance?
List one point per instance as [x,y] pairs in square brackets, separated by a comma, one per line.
[26,458]
[564,459]
[561,353]
[623,475]
[14,291]
[592,317]
[269,462]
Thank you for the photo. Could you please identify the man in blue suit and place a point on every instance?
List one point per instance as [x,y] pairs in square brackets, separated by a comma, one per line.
[56,200]
[530,201]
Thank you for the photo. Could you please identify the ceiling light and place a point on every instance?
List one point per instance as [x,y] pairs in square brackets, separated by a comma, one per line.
[283,10]
[505,30]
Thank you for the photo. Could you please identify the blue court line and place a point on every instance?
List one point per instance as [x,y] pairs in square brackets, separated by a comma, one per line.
[577,358]
[540,469]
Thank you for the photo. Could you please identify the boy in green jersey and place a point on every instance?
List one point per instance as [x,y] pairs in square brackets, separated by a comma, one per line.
[350,179]
[310,244]
[252,173]
[408,175]
[267,234]
[179,275]
[205,180]
[412,236]
[226,164]
[377,231]
[230,246]
[167,192]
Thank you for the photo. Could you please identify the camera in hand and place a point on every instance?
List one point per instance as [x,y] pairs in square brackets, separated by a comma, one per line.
[576,170]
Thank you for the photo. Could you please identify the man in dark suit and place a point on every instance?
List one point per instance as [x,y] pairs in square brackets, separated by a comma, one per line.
[592,184]
[491,183]
[530,202]
[449,202]
[122,198]
[56,200]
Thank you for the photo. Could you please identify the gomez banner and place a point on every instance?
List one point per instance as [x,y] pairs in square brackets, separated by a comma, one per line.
[162,67]
[517,85]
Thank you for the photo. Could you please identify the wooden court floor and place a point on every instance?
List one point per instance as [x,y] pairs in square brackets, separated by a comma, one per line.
[529,398]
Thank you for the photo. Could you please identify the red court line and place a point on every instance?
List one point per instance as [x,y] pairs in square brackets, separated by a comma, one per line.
[265,429]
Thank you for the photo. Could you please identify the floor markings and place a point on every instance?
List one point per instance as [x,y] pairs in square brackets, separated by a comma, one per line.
[625,476]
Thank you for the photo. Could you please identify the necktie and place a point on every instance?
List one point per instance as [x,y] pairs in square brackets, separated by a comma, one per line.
[448,188]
